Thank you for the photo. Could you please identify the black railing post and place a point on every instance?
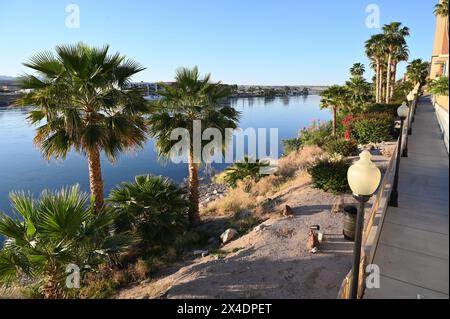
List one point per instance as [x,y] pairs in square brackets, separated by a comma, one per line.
[394,194]
[357,247]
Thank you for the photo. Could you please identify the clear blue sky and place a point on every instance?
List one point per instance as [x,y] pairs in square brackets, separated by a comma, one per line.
[269,42]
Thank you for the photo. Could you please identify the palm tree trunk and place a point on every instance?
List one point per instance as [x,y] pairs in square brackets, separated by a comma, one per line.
[194,214]
[380,84]
[334,121]
[388,78]
[50,288]
[394,77]
[95,178]
[377,80]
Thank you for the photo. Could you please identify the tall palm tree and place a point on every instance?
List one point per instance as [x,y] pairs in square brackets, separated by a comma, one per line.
[417,71]
[394,37]
[83,97]
[359,92]
[402,89]
[357,70]
[401,54]
[189,99]
[441,9]
[48,234]
[375,50]
[336,98]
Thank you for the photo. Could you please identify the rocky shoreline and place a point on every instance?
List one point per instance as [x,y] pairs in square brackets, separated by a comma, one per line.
[210,192]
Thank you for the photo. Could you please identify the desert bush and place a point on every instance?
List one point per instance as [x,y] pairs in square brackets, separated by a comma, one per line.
[236,200]
[139,270]
[244,224]
[316,134]
[330,175]
[291,145]
[267,185]
[220,178]
[152,207]
[98,288]
[289,165]
[247,190]
[246,168]
[373,128]
[342,147]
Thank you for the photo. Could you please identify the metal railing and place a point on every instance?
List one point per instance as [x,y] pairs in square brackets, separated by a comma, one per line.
[372,227]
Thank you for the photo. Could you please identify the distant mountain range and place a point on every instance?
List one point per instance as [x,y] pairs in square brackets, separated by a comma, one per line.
[7,78]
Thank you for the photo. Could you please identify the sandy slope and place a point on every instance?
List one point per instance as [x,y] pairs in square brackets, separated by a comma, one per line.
[272,263]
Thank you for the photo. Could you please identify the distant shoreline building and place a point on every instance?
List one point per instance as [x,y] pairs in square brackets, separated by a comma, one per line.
[150,89]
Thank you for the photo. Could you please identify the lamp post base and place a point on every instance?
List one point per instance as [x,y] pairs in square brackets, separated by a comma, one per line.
[357,247]
[405,152]
[393,201]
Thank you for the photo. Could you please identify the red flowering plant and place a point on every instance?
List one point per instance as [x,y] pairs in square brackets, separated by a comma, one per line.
[347,123]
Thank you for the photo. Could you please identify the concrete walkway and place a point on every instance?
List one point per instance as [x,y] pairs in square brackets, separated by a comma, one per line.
[413,249]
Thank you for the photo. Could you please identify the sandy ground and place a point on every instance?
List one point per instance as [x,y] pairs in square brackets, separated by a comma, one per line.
[272,263]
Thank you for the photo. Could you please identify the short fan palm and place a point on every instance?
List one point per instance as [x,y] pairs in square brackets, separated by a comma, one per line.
[245,168]
[439,86]
[152,207]
[335,97]
[47,235]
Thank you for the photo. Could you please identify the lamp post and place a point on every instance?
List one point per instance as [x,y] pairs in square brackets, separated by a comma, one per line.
[410,99]
[416,95]
[402,112]
[363,178]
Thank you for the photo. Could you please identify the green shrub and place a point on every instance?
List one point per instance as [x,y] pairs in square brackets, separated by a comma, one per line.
[316,134]
[388,108]
[330,176]
[401,90]
[291,145]
[439,86]
[373,128]
[342,147]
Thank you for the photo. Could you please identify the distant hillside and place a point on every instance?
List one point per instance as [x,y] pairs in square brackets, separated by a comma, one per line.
[7,78]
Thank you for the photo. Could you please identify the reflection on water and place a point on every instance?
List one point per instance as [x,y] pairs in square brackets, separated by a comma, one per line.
[23,168]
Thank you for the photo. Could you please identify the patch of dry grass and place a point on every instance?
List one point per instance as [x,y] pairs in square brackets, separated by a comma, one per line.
[12,292]
[294,162]
[249,194]
[236,200]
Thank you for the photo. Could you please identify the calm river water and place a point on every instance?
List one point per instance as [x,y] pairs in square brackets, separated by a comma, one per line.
[23,168]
